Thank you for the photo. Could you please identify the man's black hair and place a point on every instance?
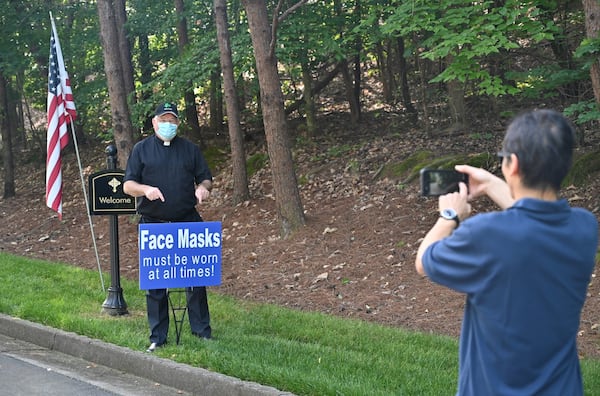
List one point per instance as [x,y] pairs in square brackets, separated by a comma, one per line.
[543,141]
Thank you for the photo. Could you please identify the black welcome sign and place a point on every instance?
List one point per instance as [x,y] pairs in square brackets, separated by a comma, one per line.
[107,196]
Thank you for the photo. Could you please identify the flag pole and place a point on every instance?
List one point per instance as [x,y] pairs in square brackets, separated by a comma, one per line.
[87,204]
[68,110]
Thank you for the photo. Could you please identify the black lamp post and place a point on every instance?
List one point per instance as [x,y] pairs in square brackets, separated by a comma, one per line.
[115,303]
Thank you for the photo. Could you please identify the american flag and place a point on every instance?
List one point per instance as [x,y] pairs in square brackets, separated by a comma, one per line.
[61,111]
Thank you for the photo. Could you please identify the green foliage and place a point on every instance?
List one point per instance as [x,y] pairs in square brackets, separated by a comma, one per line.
[583,112]
[174,73]
[309,38]
[588,50]
[544,80]
[492,47]
[466,34]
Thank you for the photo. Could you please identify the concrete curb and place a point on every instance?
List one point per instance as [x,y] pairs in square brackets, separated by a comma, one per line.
[187,378]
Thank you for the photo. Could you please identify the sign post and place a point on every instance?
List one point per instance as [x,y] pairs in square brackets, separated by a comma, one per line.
[107,197]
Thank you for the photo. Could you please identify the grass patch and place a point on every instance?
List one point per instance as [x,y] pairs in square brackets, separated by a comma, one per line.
[256,162]
[408,169]
[301,352]
[408,166]
[584,168]
[215,156]
[339,151]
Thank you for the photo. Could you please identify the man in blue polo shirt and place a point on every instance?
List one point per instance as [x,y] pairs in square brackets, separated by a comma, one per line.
[169,177]
[525,270]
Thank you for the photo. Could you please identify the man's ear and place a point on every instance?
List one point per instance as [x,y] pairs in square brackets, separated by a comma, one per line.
[512,166]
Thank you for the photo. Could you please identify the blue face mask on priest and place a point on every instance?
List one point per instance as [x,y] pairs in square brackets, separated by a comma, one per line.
[166,121]
[166,130]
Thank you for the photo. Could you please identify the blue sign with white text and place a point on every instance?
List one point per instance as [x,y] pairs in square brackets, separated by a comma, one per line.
[174,255]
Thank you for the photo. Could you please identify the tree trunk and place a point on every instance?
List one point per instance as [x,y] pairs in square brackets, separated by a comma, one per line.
[145,72]
[124,49]
[350,94]
[309,101]
[7,149]
[560,44]
[241,192]
[592,27]
[18,113]
[285,183]
[384,72]
[216,103]
[456,102]
[403,71]
[423,92]
[316,88]
[191,111]
[358,47]
[357,82]
[121,119]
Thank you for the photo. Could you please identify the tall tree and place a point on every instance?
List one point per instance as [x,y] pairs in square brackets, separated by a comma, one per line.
[285,183]
[307,44]
[351,82]
[216,102]
[592,27]
[20,47]
[456,101]
[307,95]
[121,119]
[146,69]
[191,112]
[124,48]
[403,71]
[236,140]
[464,34]
[7,150]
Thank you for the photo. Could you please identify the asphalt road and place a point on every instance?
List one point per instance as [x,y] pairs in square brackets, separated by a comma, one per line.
[28,369]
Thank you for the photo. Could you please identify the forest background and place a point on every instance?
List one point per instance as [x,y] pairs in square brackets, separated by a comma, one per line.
[238,63]
[288,92]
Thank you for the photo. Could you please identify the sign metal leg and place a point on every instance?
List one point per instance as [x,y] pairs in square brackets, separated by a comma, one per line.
[178,307]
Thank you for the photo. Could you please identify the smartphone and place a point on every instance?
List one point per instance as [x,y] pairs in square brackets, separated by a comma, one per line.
[436,182]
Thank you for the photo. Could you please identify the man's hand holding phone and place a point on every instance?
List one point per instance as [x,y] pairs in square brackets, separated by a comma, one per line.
[482,182]
[450,186]
[435,182]
[458,201]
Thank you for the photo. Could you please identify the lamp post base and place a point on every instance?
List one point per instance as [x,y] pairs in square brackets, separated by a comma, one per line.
[115,303]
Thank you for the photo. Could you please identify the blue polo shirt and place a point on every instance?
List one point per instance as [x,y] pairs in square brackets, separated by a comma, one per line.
[175,169]
[525,273]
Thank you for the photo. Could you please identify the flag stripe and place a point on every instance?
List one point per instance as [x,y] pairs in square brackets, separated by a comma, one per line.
[61,111]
